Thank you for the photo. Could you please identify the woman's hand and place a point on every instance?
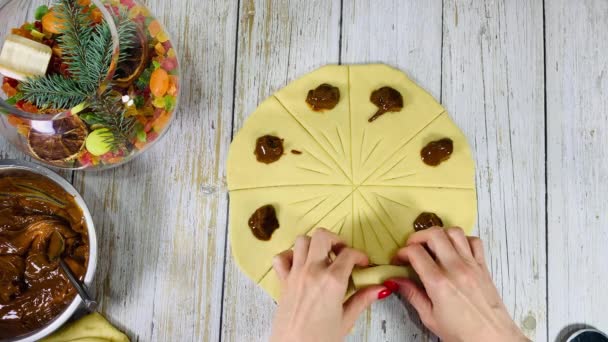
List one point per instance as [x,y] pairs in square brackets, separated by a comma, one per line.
[459,301]
[313,286]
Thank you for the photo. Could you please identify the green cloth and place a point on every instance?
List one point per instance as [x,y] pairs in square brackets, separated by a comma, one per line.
[90,328]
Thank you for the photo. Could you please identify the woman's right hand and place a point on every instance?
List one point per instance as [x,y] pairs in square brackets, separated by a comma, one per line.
[459,301]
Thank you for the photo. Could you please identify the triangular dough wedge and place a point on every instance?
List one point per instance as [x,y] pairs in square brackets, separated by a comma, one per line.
[299,209]
[337,221]
[345,231]
[393,213]
[398,207]
[378,242]
[374,142]
[331,128]
[313,166]
[358,237]
[406,168]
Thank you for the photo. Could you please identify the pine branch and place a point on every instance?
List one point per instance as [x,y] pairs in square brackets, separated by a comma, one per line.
[54,91]
[87,50]
[127,34]
[100,51]
[76,32]
[109,112]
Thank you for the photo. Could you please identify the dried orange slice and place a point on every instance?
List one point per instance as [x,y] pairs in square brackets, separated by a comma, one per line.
[134,64]
[58,141]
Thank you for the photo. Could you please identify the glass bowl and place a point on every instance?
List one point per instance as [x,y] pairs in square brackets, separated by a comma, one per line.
[85,84]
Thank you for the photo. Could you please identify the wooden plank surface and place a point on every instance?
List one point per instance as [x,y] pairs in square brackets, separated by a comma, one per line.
[407,35]
[277,42]
[577,127]
[165,271]
[493,88]
[161,219]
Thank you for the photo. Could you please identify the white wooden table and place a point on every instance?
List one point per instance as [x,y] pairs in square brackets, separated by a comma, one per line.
[527,81]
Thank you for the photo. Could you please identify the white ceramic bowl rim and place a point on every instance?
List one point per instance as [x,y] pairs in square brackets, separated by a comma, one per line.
[56,323]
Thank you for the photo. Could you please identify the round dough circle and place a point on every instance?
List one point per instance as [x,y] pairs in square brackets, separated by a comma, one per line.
[364,181]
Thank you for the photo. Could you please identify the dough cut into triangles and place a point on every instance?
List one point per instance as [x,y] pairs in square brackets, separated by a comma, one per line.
[406,168]
[377,239]
[373,142]
[398,207]
[330,127]
[312,166]
[298,210]
[337,221]
[365,181]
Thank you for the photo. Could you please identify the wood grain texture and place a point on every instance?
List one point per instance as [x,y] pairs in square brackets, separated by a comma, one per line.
[161,219]
[493,88]
[577,127]
[277,42]
[407,35]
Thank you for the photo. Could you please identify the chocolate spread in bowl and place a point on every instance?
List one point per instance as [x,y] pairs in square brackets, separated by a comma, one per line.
[39,223]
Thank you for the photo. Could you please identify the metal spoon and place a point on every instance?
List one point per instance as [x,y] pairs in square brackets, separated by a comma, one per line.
[55,248]
[89,304]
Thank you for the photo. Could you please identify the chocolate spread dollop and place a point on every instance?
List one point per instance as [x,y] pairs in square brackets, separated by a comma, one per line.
[264,222]
[427,220]
[323,97]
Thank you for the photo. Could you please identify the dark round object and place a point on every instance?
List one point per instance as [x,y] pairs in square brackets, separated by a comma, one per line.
[264,222]
[268,149]
[427,220]
[324,97]
[436,152]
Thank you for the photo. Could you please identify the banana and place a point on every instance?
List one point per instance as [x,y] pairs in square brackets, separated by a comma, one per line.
[21,58]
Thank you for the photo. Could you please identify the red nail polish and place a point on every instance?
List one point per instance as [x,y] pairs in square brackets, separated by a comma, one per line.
[384,293]
[391,285]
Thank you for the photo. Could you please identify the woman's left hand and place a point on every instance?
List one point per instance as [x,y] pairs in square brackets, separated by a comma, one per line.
[311,306]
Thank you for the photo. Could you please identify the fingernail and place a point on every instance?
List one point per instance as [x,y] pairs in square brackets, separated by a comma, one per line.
[384,293]
[391,285]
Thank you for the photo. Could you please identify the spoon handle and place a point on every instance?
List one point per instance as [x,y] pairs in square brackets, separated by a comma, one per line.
[89,303]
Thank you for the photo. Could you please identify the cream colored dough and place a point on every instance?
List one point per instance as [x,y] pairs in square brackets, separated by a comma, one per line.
[363,277]
[339,221]
[299,210]
[406,168]
[364,181]
[330,127]
[313,166]
[374,142]
[394,209]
